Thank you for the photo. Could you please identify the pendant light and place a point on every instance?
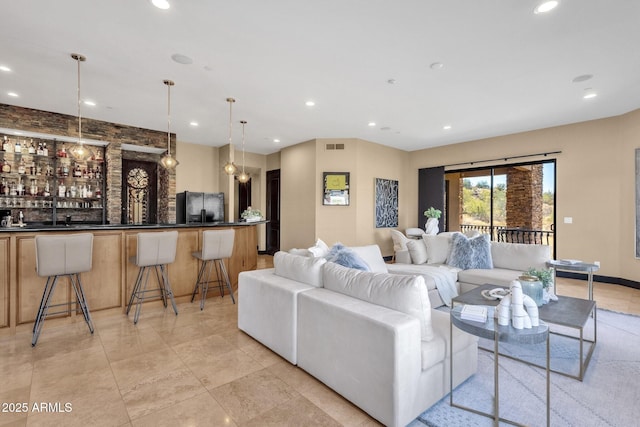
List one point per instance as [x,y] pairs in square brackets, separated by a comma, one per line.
[243,177]
[79,151]
[168,161]
[230,168]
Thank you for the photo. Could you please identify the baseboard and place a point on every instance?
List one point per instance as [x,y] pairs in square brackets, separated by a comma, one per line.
[600,279]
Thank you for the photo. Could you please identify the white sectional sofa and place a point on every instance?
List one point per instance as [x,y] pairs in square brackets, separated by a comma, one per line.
[431,254]
[370,336]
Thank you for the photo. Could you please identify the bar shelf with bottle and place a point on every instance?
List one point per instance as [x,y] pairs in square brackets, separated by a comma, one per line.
[40,177]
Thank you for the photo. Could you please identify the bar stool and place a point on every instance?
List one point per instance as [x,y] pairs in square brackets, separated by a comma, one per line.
[155,251]
[216,246]
[58,256]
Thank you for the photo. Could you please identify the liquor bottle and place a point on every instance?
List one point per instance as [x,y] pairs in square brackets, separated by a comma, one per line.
[73,190]
[3,186]
[98,193]
[6,166]
[62,190]
[32,168]
[77,172]
[22,169]
[4,144]
[8,146]
[39,149]
[18,148]
[31,149]
[45,150]
[46,191]
[65,170]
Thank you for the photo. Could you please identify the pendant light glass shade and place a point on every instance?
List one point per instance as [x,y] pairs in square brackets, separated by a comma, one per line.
[230,168]
[243,177]
[80,151]
[168,161]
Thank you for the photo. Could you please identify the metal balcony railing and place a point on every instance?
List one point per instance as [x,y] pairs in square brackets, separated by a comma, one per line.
[513,235]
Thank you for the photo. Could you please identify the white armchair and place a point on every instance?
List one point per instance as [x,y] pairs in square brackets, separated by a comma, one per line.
[399,242]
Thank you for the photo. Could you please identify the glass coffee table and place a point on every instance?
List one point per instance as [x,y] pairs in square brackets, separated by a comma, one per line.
[567,312]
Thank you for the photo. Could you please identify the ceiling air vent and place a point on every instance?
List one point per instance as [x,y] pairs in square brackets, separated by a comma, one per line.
[339,146]
[330,147]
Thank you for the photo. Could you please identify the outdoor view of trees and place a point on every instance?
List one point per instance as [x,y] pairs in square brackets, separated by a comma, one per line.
[476,206]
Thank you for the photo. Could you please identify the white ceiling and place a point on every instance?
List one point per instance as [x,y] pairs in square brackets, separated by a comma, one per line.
[505,69]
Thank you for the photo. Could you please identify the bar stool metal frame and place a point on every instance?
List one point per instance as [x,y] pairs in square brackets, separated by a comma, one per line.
[155,251]
[217,245]
[58,256]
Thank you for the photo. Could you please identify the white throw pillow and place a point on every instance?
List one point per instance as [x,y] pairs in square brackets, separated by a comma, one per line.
[417,251]
[320,249]
[372,256]
[301,252]
[438,247]
[404,293]
[302,269]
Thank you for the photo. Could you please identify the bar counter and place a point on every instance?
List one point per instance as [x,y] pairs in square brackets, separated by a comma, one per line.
[108,285]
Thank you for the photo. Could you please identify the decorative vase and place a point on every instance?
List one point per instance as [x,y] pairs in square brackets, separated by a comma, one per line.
[532,287]
[431,227]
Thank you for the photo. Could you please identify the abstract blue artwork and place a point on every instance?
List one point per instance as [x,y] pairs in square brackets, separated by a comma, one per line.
[386,203]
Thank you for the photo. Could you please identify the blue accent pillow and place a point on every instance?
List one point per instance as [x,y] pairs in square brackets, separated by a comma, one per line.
[470,253]
[346,257]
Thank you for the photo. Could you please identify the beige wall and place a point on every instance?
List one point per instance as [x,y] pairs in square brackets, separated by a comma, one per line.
[595,184]
[198,168]
[302,167]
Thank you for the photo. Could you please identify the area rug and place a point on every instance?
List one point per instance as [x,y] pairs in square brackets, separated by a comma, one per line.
[609,395]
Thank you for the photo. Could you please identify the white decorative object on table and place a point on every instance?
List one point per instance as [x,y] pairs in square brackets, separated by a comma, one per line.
[251,215]
[519,308]
[432,225]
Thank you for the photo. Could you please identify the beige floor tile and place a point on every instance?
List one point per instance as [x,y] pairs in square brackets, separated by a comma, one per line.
[295,412]
[128,341]
[332,403]
[261,354]
[294,376]
[13,422]
[153,381]
[62,340]
[250,396]
[92,396]
[200,410]
[216,370]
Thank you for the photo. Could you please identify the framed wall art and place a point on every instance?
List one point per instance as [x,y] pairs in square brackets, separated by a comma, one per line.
[336,188]
[386,204]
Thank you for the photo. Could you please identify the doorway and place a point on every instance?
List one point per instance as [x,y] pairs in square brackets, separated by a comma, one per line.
[273,211]
[139,192]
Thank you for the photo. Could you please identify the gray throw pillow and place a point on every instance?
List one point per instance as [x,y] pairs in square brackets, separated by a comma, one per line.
[470,253]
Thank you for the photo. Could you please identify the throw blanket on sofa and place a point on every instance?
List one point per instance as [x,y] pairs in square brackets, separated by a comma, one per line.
[441,277]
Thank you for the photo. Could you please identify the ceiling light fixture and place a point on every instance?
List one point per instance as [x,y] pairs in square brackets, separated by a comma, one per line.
[194,124]
[230,168]
[5,68]
[309,103]
[161,4]
[590,95]
[243,177]
[372,123]
[168,161]
[582,78]
[79,151]
[13,94]
[436,66]
[446,127]
[276,140]
[89,103]
[545,7]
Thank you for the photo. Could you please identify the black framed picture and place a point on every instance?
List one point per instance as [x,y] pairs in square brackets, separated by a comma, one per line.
[336,188]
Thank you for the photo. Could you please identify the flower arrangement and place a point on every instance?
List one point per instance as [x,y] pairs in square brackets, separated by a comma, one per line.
[433,213]
[543,275]
[251,213]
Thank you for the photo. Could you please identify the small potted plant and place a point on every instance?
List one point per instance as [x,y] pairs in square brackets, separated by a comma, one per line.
[251,215]
[545,276]
[433,215]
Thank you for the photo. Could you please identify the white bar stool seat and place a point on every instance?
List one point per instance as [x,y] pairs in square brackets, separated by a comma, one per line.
[58,256]
[217,245]
[155,251]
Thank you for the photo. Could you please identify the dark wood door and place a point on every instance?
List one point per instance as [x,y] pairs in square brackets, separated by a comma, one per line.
[430,192]
[139,192]
[273,211]
[244,196]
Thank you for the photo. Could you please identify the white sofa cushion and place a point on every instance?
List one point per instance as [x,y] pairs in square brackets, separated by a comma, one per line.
[494,276]
[407,294]
[302,269]
[418,251]
[320,249]
[519,256]
[372,256]
[438,247]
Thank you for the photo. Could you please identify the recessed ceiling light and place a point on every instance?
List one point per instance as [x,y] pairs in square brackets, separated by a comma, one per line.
[5,68]
[193,123]
[436,66]
[161,4]
[385,128]
[89,103]
[582,78]
[590,95]
[181,59]
[15,95]
[309,103]
[372,123]
[276,140]
[391,81]
[545,7]
[446,127]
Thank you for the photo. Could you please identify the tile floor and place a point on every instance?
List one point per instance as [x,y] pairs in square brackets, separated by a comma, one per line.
[193,369]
